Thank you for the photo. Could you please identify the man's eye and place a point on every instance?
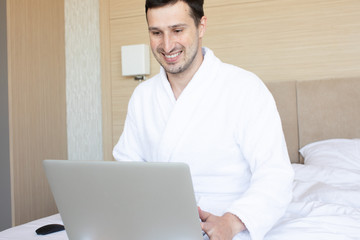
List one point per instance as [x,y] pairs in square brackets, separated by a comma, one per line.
[155,33]
[178,30]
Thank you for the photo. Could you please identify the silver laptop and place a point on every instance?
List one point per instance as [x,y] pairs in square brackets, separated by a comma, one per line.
[124,200]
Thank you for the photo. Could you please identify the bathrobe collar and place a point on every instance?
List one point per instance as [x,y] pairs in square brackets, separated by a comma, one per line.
[185,107]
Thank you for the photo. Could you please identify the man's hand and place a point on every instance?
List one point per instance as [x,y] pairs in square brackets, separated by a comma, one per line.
[220,228]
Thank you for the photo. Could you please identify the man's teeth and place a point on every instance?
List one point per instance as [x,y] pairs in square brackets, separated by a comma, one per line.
[173,55]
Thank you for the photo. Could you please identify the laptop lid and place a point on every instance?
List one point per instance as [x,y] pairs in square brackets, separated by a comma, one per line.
[124,200]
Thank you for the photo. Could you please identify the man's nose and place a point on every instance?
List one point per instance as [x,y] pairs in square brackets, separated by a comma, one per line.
[168,43]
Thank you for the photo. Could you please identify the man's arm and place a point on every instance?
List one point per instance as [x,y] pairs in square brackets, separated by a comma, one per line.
[128,147]
[262,144]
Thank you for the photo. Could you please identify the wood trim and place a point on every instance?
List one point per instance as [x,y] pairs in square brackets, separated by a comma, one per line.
[9,58]
[5,184]
[105,61]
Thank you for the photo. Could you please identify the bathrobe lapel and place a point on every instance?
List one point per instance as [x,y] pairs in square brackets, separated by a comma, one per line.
[185,108]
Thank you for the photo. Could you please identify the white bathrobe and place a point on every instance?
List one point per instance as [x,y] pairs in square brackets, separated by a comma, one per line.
[226,127]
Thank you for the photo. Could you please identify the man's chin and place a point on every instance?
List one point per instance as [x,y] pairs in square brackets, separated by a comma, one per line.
[173,70]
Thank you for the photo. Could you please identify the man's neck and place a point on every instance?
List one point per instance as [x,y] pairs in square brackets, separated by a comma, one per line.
[178,82]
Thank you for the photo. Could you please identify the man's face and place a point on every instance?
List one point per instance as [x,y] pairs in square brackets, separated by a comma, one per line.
[174,38]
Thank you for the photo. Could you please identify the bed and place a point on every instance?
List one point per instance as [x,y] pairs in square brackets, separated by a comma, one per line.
[321,122]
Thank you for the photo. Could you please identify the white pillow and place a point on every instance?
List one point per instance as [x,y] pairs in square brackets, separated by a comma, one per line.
[338,153]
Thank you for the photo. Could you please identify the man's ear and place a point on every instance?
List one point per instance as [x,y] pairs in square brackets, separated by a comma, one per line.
[202,26]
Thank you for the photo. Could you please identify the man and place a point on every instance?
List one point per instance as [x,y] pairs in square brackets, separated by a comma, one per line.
[219,119]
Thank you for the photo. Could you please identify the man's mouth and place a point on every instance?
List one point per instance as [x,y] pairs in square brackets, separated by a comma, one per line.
[172,57]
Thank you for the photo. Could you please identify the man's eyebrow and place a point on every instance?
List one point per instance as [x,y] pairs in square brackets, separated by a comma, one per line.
[153,29]
[171,27]
[178,25]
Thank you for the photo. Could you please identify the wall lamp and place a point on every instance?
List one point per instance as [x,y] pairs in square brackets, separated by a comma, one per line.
[135,61]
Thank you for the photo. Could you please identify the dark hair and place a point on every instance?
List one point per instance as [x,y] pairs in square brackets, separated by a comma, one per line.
[196,6]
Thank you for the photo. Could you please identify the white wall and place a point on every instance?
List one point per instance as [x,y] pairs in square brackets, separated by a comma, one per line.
[83,83]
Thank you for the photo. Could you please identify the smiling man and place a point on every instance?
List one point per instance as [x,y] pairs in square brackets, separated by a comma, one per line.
[219,119]
[175,39]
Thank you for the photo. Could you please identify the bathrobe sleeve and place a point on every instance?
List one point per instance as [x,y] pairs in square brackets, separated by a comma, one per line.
[129,147]
[262,142]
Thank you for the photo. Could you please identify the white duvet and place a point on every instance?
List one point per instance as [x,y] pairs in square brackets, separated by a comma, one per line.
[325,205]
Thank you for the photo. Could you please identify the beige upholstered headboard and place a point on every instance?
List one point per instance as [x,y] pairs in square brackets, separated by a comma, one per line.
[317,110]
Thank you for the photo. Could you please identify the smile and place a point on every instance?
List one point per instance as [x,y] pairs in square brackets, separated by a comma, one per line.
[172,55]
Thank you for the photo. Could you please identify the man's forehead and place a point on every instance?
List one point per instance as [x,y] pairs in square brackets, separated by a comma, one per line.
[169,15]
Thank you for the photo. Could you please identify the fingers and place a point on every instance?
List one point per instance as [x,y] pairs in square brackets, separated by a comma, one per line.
[217,227]
[203,214]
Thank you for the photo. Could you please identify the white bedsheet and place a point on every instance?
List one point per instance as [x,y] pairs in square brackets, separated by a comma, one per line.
[325,206]
[27,231]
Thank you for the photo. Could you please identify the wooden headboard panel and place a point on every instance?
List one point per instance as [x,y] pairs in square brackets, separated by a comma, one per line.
[285,97]
[328,109]
[317,110]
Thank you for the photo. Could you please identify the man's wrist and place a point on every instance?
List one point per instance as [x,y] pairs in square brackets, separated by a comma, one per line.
[235,223]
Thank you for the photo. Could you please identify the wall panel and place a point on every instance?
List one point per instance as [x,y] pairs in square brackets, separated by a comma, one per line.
[5,184]
[83,84]
[125,9]
[37,103]
[125,31]
[284,40]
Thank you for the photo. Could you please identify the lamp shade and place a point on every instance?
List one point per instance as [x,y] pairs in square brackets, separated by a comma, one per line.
[135,60]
